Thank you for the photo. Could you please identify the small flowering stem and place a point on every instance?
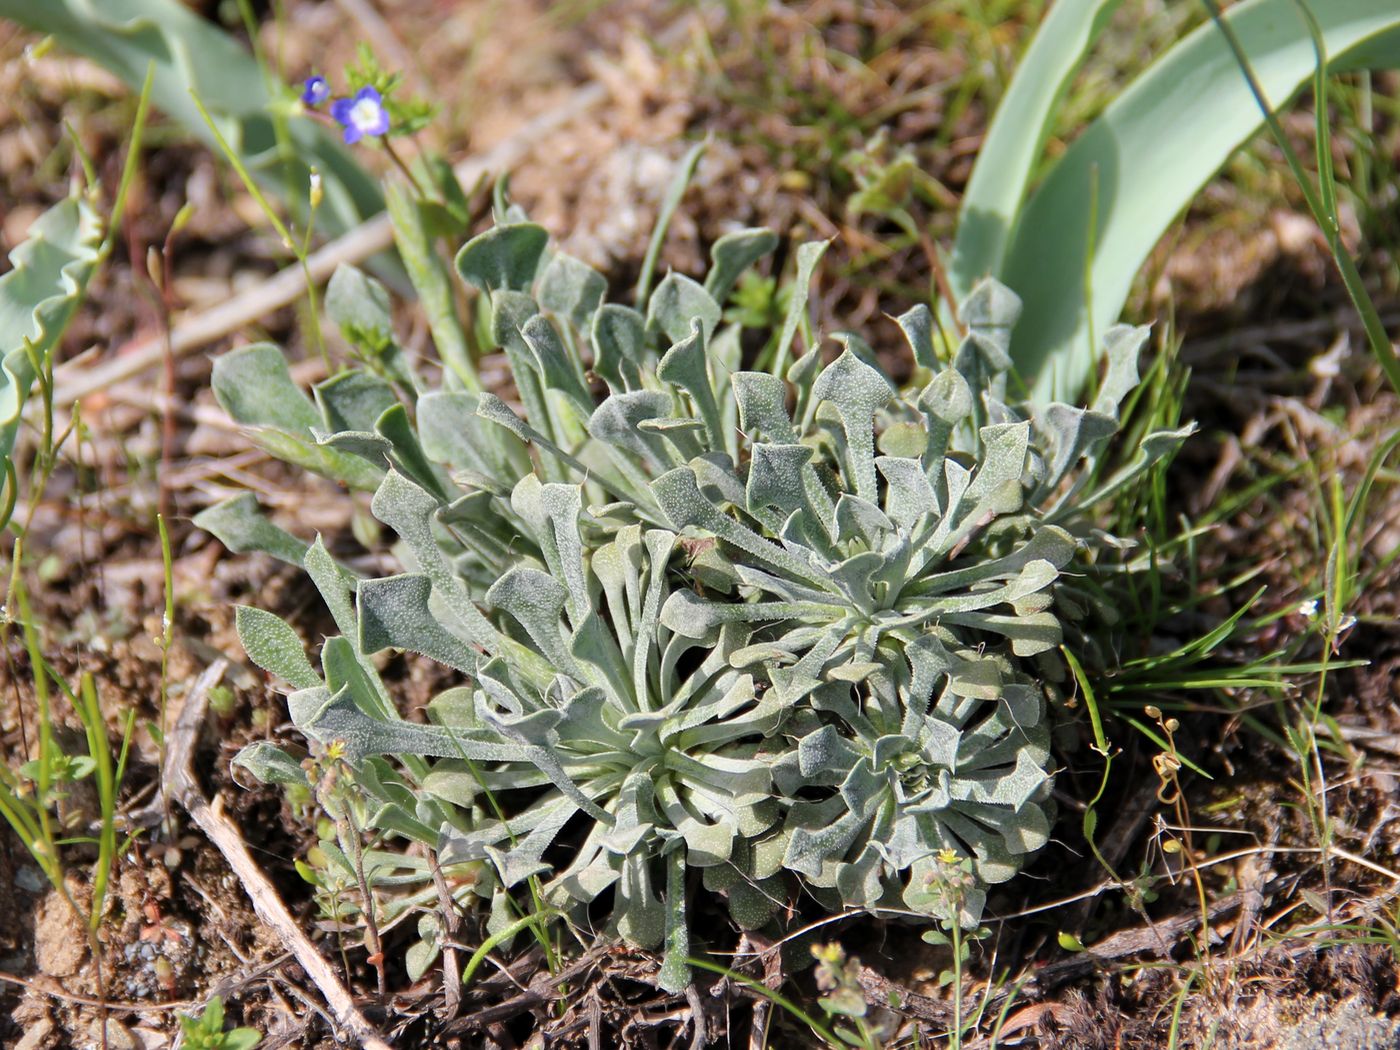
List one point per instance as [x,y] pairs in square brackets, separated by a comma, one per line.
[130,165]
[277,224]
[1167,765]
[241,169]
[167,637]
[160,269]
[403,167]
[350,834]
[314,202]
[955,934]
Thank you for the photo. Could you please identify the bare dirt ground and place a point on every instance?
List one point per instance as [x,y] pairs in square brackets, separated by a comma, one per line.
[1297,946]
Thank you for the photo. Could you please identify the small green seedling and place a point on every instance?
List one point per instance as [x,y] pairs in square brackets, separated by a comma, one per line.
[205,1030]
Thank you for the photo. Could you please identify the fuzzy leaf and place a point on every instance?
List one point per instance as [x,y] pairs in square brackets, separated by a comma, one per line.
[241,526]
[809,254]
[734,253]
[917,325]
[619,336]
[270,764]
[359,305]
[255,387]
[394,613]
[685,365]
[504,257]
[272,644]
[858,392]
[572,289]
[676,304]
[353,401]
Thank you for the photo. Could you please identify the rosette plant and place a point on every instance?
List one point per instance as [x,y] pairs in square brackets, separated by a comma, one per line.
[787,632]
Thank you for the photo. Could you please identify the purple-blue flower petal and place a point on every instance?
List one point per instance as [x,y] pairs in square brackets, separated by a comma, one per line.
[362,115]
[315,91]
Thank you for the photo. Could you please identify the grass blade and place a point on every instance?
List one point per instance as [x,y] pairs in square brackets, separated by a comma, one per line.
[1322,201]
[672,201]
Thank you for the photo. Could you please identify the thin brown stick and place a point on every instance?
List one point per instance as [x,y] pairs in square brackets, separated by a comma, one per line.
[42,988]
[544,988]
[184,788]
[880,991]
[452,928]
[1152,941]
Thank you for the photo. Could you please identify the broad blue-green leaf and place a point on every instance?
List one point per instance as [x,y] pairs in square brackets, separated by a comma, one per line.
[1011,151]
[1143,160]
[503,258]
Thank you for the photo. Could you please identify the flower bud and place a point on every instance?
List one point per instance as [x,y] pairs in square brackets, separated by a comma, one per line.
[155,268]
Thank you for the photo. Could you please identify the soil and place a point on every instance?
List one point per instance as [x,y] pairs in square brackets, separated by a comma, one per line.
[1291,953]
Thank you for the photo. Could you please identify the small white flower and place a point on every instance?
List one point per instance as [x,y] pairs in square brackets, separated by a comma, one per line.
[1309,608]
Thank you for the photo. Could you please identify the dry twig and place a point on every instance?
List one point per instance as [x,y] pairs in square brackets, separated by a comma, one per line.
[545,987]
[180,781]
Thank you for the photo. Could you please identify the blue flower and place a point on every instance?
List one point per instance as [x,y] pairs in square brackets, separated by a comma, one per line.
[362,115]
[315,91]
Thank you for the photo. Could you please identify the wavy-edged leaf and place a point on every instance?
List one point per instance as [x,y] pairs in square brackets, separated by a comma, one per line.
[48,278]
